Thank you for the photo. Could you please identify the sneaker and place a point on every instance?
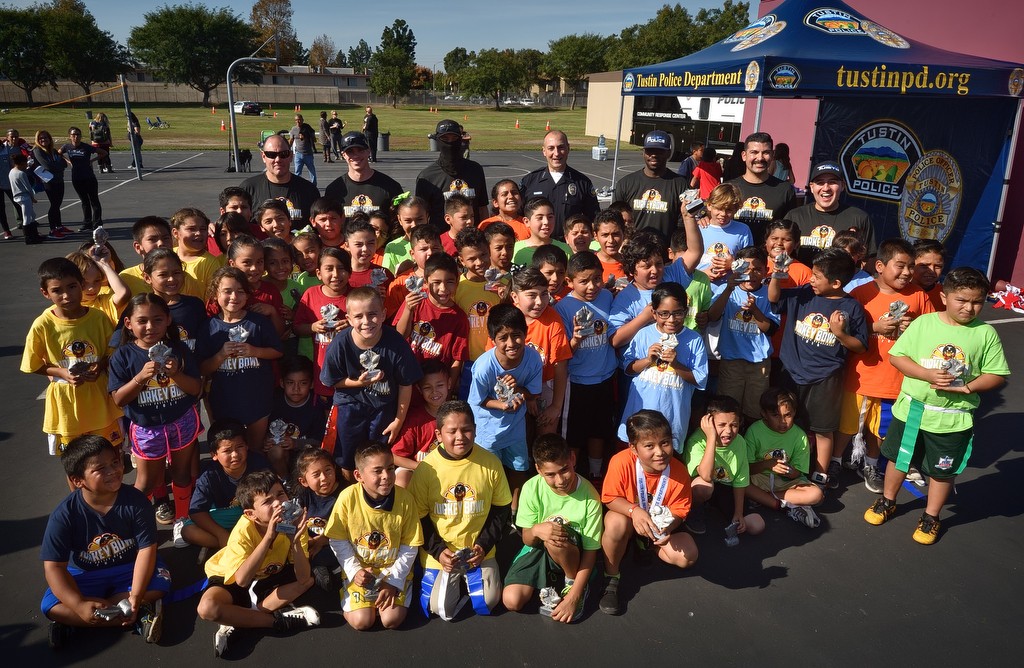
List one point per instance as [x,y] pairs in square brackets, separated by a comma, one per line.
[578,613]
[927,531]
[64,230]
[695,522]
[872,478]
[165,514]
[8,236]
[150,621]
[86,228]
[609,604]
[880,512]
[220,639]
[59,635]
[55,235]
[915,476]
[324,579]
[32,239]
[834,468]
[179,541]
[295,618]
[804,515]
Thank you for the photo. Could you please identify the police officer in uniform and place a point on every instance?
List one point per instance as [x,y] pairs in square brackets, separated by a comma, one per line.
[570,191]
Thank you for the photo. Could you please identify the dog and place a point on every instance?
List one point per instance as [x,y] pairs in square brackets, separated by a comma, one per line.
[244,160]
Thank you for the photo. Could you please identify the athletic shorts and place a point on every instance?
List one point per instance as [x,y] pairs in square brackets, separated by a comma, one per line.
[938,456]
[258,591]
[515,457]
[775,485]
[58,443]
[745,382]
[877,414]
[353,597]
[722,499]
[591,409]
[353,425]
[105,582]
[226,518]
[534,567]
[447,594]
[160,441]
[819,403]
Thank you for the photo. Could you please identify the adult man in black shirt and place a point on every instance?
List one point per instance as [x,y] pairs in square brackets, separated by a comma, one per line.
[655,192]
[569,190]
[765,198]
[362,188]
[370,130]
[821,219]
[278,182]
[451,174]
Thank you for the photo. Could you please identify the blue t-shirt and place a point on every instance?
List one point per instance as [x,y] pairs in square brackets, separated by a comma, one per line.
[676,272]
[318,509]
[189,315]
[740,339]
[810,351]
[161,402]
[662,389]
[396,361]
[628,304]
[242,388]
[496,430]
[594,360]
[215,489]
[85,539]
[308,420]
[728,239]
[859,279]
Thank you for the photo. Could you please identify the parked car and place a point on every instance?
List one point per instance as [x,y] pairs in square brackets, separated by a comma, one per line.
[248,108]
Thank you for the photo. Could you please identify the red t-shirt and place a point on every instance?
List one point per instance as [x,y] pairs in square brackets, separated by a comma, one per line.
[266,293]
[517,225]
[418,437]
[448,244]
[360,278]
[307,311]
[438,332]
[709,175]
[620,482]
[396,295]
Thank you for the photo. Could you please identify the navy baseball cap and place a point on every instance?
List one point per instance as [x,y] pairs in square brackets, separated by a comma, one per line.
[658,139]
[826,167]
[446,127]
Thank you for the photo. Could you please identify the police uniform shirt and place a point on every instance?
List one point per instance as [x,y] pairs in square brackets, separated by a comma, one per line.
[373,194]
[655,200]
[436,186]
[570,195]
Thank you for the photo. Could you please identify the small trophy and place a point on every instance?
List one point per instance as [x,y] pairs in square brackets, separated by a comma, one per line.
[694,204]
[414,284]
[662,518]
[291,510]
[506,394]
[780,455]
[330,313]
[898,309]
[741,267]
[955,368]
[373,589]
[278,428]
[378,277]
[782,264]
[668,343]
[584,320]
[122,609]
[369,361]
[493,276]
[462,556]
[732,535]
[549,600]
[620,284]
[99,250]
[79,368]
[161,354]
[238,334]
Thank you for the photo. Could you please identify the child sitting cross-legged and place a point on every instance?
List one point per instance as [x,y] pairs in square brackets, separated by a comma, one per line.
[317,487]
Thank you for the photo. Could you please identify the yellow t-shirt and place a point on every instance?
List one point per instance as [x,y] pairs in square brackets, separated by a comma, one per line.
[104,303]
[458,495]
[71,410]
[375,534]
[242,542]
[132,277]
[202,269]
[476,303]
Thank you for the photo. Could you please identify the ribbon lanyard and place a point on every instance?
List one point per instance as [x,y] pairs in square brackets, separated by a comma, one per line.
[641,488]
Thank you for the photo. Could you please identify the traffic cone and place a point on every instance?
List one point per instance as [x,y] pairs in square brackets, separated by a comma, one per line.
[213,110]
[222,127]
[298,107]
[465,117]
[548,126]
[275,114]
[517,124]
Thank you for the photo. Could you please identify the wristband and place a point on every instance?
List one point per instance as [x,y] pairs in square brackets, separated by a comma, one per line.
[631,509]
[136,379]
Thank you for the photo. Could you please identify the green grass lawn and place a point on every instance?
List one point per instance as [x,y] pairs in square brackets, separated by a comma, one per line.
[196,128]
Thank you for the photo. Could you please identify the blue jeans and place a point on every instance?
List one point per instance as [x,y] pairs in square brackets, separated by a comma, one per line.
[309,160]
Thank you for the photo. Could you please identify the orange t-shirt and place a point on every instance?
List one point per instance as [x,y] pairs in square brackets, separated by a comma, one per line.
[613,268]
[799,274]
[620,482]
[935,297]
[547,336]
[869,373]
[519,225]
[396,295]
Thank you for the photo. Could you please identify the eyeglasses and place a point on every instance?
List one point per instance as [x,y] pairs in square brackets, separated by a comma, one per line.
[665,315]
[273,155]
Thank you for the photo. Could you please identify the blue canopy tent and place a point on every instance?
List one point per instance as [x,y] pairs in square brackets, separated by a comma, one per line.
[830,51]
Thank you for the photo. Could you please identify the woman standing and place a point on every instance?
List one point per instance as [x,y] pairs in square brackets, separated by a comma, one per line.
[80,156]
[99,135]
[781,167]
[325,137]
[48,158]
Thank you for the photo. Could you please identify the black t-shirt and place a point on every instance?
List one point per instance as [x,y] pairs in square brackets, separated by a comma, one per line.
[573,194]
[435,186]
[299,194]
[763,203]
[335,126]
[370,195]
[370,123]
[686,168]
[819,228]
[655,201]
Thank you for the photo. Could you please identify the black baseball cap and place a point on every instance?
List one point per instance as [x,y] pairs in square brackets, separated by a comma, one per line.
[353,140]
[446,127]
[826,167]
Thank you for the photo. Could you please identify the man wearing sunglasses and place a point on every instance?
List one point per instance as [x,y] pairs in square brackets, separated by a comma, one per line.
[278,182]
[451,174]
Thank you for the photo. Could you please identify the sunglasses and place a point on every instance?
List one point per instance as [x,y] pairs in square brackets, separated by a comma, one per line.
[271,155]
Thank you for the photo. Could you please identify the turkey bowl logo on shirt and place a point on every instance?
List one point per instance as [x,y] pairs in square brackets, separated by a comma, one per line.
[944,354]
[820,237]
[316,526]
[423,337]
[540,351]
[460,187]
[184,338]
[80,351]
[105,549]
[815,330]
[458,499]
[360,203]
[651,201]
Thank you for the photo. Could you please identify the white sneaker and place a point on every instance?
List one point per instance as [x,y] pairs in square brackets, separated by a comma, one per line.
[220,639]
[179,541]
[804,515]
[304,612]
[916,477]
[873,480]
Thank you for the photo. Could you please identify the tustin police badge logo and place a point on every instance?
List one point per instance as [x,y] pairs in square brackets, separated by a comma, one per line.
[876,159]
[1016,83]
[628,82]
[931,197]
[834,22]
[752,77]
[884,36]
[784,77]
[762,35]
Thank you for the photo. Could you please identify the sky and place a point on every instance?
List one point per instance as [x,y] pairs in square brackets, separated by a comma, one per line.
[439,26]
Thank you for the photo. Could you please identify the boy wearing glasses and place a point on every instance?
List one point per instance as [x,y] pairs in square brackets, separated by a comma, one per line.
[278,182]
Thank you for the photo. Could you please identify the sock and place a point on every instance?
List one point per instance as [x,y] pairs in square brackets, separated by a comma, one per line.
[182,497]
[837,460]
[783,504]
[595,465]
[871,461]
[569,582]
[613,577]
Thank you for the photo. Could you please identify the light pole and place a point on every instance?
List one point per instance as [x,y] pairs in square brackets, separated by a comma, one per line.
[231,101]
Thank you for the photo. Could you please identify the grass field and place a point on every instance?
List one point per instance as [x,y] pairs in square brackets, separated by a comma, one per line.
[197,128]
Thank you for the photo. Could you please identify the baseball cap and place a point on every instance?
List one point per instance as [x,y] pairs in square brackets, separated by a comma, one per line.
[826,167]
[445,127]
[658,139]
[353,140]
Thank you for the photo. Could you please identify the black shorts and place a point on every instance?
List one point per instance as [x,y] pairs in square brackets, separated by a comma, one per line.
[591,409]
[257,591]
[820,404]
[722,499]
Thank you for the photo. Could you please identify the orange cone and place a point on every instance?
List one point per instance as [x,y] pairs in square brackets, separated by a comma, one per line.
[548,126]
[275,114]
[517,124]
[465,117]
[222,127]
[213,110]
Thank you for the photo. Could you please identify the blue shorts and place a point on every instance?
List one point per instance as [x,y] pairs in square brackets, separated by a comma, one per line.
[465,381]
[514,457]
[161,441]
[105,582]
[226,518]
[358,424]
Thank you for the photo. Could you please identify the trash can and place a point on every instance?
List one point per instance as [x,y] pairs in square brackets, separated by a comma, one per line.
[384,141]
[433,145]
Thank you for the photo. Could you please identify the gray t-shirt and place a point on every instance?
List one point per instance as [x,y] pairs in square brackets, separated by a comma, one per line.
[303,139]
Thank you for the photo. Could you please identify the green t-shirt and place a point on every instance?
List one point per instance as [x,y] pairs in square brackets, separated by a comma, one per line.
[523,254]
[762,441]
[306,281]
[699,295]
[291,293]
[731,467]
[581,509]
[395,253]
[928,341]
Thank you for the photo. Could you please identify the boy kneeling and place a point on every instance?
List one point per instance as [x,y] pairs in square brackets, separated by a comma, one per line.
[99,549]
[560,514]
[266,560]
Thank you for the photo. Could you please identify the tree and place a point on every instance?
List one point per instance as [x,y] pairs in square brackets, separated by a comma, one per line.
[23,55]
[273,18]
[422,78]
[391,72]
[78,50]
[492,73]
[339,59]
[322,53]
[215,38]
[531,67]
[400,35]
[574,57]
[359,56]
[455,63]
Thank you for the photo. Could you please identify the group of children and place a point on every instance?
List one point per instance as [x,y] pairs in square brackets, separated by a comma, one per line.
[394,386]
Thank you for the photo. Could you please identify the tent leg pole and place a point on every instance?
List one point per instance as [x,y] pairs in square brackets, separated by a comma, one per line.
[998,223]
[618,138]
[757,114]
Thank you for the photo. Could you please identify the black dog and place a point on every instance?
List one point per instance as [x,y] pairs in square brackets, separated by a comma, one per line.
[244,160]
